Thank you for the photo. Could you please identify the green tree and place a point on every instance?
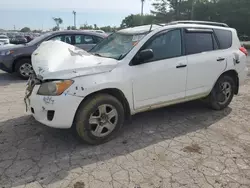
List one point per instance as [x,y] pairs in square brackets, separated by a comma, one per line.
[86,27]
[233,12]
[55,28]
[136,20]
[25,29]
[58,22]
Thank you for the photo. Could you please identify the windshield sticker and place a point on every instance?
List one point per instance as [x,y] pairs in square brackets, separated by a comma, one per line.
[137,37]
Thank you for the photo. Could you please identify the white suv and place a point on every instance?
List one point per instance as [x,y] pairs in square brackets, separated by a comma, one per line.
[131,71]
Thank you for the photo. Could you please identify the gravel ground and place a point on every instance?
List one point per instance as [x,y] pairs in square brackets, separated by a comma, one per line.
[186,145]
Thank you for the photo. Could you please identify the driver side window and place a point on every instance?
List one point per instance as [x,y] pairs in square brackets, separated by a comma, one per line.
[166,45]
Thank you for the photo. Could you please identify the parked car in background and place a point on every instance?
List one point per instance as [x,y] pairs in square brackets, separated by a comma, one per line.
[18,58]
[19,39]
[4,40]
[134,70]
[97,31]
[29,38]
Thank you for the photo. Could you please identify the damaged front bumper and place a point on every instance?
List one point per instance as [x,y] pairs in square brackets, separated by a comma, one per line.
[53,111]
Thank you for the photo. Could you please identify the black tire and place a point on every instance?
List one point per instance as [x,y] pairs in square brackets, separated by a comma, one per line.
[81,123]
[19,64]
[216,96]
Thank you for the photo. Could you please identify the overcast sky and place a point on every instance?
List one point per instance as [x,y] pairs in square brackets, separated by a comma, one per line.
[38,13]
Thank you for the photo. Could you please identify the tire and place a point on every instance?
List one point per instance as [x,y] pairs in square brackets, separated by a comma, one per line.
[90,109]
[218,100]
[22,66]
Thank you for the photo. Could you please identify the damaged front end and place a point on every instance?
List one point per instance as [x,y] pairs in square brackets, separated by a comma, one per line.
[59,60]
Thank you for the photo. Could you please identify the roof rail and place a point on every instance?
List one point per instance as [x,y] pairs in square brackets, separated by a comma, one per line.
[198,22]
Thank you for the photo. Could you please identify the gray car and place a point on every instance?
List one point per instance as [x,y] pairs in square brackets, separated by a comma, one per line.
[18,58]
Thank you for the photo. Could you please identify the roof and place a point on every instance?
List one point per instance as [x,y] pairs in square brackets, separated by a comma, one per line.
[139,29]
[198,22]
[185,23]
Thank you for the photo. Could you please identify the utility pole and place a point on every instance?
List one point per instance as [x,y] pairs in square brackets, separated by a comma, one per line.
[74,13]
[142,6]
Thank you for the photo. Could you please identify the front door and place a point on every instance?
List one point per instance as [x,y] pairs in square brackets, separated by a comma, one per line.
[162,79]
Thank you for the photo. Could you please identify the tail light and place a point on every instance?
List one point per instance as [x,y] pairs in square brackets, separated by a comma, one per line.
[244,50]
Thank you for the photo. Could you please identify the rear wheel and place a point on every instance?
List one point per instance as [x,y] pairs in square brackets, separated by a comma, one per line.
[99,119]
[24,68]
[222,93]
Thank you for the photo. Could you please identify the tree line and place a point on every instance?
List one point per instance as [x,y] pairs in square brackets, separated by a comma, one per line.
[236,13]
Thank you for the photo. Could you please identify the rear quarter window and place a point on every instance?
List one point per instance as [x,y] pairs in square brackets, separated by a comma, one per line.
[224,38]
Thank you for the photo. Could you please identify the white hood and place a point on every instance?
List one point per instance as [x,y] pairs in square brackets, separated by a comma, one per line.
[59,60]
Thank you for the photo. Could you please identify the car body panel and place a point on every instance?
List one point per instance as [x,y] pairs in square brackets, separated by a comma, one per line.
[58,60]
[145,86]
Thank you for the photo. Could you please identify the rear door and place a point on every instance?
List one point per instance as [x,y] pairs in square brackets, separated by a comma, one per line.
[205,61]
[230,45]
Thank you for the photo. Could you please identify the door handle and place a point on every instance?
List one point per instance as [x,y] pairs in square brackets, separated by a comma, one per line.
[220,59]
[181,66]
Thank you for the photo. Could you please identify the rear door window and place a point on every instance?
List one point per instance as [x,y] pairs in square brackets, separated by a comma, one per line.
[198,42]
[84,39]
[224,37]
[63,38]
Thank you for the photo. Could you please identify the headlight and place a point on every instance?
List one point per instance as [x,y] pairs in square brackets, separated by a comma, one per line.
[6,52]
[54,88]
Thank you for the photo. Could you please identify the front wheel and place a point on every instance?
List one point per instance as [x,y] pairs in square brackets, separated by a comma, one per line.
[24,68]
[99,118]
[222,93]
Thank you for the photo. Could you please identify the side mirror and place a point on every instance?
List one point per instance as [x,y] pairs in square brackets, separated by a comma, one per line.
[143,56]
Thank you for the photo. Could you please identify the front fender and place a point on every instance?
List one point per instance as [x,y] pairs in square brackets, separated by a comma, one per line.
[86,85]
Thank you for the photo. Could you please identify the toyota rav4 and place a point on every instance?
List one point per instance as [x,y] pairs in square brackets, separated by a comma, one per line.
[131,71]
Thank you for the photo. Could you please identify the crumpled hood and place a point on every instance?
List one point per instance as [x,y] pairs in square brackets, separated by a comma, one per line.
[59,60]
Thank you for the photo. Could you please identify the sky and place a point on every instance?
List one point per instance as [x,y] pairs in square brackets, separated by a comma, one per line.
[37,14]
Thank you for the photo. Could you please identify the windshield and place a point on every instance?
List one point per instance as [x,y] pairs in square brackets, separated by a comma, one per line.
[116,45]
[3,37]
[38,39]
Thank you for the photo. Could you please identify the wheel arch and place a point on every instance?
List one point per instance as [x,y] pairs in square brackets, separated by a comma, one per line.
[18,59]
[117,93]
[233,74]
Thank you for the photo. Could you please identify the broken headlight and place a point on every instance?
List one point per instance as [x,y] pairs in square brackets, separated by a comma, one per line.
[54,88]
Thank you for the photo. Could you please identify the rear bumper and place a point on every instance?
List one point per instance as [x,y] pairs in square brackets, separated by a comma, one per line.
[6,63]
